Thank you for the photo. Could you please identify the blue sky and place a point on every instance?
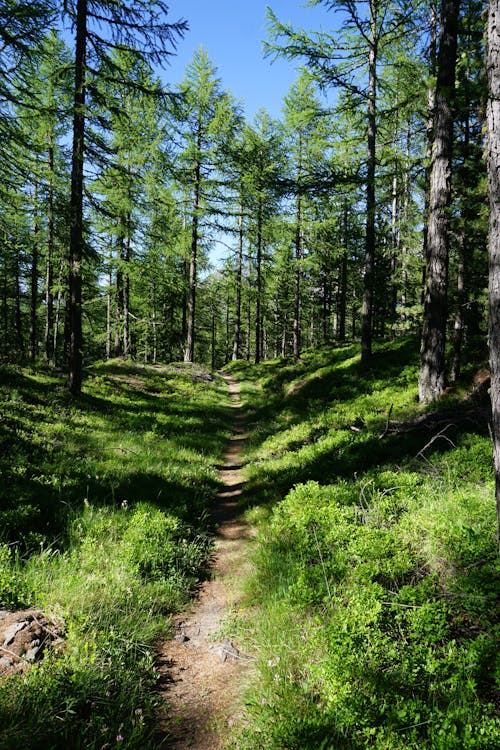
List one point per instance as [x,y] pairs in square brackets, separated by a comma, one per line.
[232,32]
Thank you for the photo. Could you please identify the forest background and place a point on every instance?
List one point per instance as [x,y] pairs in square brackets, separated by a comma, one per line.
[356,222]
[165,174]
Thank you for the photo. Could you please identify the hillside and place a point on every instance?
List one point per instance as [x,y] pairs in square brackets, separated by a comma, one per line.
[370,605]
[376,577]
[104,527]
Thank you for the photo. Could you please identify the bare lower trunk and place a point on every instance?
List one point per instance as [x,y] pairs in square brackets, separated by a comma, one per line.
[432,369]
[49,272]
[191,310]
[239,272]
[76,232]
[34,285]
[258,302]
[493,121]
[367,306]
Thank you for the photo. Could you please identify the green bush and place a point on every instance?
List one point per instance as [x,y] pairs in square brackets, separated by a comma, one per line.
[161,546]
[14,591]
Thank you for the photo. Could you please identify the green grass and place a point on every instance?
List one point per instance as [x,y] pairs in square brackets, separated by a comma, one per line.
[103,520]
[374,601]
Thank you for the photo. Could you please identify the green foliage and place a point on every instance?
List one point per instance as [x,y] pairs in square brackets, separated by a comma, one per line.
[14,591]
[376,580]
[116,488]
[160,545]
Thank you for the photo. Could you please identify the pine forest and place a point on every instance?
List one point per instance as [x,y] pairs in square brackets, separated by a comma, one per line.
[338,265]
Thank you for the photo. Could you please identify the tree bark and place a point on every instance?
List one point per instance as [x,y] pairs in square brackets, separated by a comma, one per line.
[126,292]
[189,352]
[76,206]
[258,301]
[239,274]
[34,284]
[432,369]
[367,305]
[493,123]
[49,271]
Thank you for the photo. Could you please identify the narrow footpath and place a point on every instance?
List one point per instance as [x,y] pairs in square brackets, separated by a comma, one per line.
[201,674]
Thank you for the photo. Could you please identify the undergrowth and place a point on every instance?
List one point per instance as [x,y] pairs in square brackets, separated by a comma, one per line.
[103,521]
[374,601]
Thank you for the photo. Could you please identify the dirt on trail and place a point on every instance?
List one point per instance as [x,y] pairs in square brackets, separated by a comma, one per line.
[201,675]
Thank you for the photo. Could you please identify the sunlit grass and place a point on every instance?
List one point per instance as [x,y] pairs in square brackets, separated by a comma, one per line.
[374,597]
[103,524]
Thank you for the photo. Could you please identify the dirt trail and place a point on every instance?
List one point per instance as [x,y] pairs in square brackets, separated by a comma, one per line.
[200,676]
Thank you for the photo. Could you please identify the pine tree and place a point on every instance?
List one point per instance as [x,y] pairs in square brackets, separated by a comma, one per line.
[432,370]
[493,124]
[141,28]
[206,118]
[306,148]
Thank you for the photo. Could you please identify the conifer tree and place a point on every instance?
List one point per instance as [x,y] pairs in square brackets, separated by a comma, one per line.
[306,148]
[350,60]
[493,125]
[140,27]
[206,118]
[432,369]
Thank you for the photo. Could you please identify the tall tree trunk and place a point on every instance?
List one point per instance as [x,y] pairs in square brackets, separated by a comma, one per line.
[429,140]
[258,302]
[367,306]
[298,278]
[493,121]
[119,298]
[298,257]
[49,271]
[126,292]
[18,321]
[76,233]
[34,284]
[57,313]
[343,279]
[189,353]
[458,326]
[464,251]
[432,369]
[395,244]
[109,307]
[155,334]
[238,280]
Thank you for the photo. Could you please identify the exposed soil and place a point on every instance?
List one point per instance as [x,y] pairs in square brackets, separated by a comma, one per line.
[25,637]
[201,673]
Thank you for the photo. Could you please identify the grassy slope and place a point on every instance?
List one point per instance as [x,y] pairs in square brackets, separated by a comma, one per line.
[377,578]
[103,522]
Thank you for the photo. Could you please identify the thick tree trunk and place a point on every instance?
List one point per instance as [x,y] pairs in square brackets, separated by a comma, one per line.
[429,140]
[76,232]
[432,369]
[367,306]
[493,121]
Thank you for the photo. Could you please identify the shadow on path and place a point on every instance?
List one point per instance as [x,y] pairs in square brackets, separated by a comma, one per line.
[201,677]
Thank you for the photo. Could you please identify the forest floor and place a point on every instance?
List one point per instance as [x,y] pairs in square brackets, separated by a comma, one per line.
[202,673]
